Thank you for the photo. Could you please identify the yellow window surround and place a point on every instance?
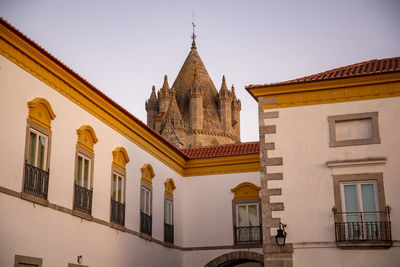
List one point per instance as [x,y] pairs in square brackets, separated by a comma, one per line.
[120,158]
[169,187]
[86,138]
[147,174]
[245,191]
[41,113]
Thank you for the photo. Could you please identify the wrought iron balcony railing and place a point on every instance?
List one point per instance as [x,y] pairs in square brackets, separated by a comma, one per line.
[363,226]
[36,181]
[117,212]
[145,223]
[247,234]
[83,199]
[168,233]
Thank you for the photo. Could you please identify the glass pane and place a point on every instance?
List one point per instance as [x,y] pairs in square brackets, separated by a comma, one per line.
[142,199]
[242,216]
[351,203]
[114,187]
[119,189]
[79,172]
[86,174]
[253,215]
[41,152]
[368,200]
[147,200]
[32,148]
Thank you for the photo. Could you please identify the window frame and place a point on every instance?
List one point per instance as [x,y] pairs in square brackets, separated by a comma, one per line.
[30,125]
[332,120]
[20,259]
[148,188]
[119,173]
[168,199]
[235,219]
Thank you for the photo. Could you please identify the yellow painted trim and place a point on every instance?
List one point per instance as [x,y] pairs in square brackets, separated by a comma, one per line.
[120,158]
[169,187]
[86,138]
[334,91]
[223,165]
[246,191]
[147,173]
[27,57]
[41,113]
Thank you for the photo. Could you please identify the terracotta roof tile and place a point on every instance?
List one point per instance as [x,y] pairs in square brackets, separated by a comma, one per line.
[366,68]
[223,150]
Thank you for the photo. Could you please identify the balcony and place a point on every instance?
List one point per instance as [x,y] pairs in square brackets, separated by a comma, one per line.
[36,181]
[83,199]
[168,233]
[145,223]
[248,235]
[117,212]
[363,229]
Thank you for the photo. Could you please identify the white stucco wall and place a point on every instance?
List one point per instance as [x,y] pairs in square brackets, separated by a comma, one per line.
[302,140]
[202,205]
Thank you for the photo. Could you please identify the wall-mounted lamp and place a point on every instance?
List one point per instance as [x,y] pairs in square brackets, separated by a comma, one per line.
[80,259]
[281,235]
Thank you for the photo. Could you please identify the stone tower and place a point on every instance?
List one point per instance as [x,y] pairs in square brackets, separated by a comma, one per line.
[192,112]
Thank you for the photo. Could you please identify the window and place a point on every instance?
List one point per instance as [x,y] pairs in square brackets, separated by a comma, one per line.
[246,214]
[360,212]
[120,159]
[354,129]
[25,261]
[83,188]
[37,151]
[169,210]
[146,199]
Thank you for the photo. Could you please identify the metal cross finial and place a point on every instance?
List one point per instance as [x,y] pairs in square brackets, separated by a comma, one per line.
[193,35]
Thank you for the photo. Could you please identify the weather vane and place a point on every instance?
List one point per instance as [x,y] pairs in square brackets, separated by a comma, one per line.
[193,35]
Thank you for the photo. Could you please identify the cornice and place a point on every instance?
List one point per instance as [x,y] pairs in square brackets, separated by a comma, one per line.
[31,59]
[332,91]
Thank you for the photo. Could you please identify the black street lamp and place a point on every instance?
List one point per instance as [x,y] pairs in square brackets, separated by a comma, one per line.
[281,235]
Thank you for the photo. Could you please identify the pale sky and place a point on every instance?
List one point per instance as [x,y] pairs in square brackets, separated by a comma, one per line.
[124,47]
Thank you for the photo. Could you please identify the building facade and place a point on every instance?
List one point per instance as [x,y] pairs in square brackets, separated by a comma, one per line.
[329,166]
[193,113]
[85,183]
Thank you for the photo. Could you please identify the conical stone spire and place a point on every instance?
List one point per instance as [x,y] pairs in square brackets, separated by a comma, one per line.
[224,92]
[164,91]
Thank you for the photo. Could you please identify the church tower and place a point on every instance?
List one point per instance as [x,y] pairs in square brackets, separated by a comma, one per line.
[192,112]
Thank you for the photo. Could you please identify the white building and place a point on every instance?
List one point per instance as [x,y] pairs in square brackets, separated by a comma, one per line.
[330,159]
[85,183]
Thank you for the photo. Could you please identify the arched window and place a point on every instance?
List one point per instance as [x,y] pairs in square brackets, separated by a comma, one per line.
[84,162]
[118,185]
[37,151]
[146,196]
[246,211]
[169,210]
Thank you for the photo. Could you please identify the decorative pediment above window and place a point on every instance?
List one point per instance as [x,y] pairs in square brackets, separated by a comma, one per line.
[169,187]
[86,138]
[41,113]
[147,173]
[245,191]
[120,158]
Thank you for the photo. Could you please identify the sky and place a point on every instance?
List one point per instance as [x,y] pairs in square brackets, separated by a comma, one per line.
[125,47]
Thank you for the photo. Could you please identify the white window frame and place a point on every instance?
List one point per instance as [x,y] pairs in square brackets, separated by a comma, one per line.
[247,213]
[118,175]
[84,157]
[171,211]
[359,194]
[38,134]
[146,209]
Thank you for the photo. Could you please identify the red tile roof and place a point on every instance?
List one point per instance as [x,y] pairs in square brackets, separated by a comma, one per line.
[366,68]
[223,150]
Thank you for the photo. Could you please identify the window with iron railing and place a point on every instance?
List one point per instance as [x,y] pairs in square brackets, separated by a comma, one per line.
[363,226]
[145,223]
[247,229]
[36,181]
[83,199]
[118,199]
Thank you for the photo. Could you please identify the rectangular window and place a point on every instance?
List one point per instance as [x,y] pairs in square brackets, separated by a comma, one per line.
[145,210]
[168,212]
[26,261]
[118,198]
[37,150]
[360,211]
[117,187]
[83,171]
[145,201]
[247,226]
[168,221]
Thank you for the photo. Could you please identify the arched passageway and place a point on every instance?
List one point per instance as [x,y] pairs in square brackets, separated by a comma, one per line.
[238,259]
